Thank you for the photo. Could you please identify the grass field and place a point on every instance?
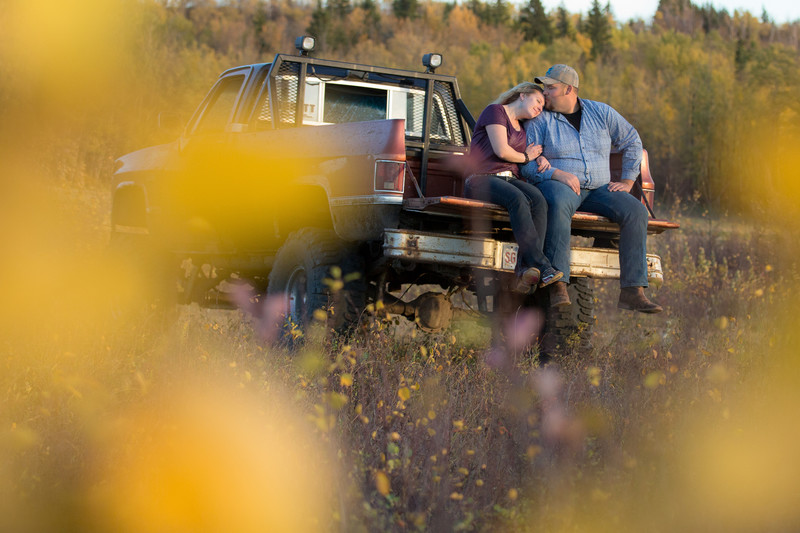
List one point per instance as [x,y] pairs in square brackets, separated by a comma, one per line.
[683,421]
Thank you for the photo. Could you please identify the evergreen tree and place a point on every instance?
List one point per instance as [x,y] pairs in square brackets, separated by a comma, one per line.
[535,24]
[500,13]
[563,25]
[497,13]
[405,9]
[480,9]
[373,16]
[318,27]
[599,30]
[339,8]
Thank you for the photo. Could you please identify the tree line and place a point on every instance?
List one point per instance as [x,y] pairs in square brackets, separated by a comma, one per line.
[714,95]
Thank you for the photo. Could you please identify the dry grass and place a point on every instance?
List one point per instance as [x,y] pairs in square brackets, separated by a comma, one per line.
[679,421]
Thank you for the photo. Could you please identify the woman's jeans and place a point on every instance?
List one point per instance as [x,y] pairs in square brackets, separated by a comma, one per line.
[527,211]
[618,206]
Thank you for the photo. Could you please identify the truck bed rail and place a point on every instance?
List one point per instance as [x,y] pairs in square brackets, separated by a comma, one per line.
[455,206]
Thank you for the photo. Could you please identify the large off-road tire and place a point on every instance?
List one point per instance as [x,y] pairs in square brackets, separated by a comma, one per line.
[569,328]
[145,291]
[304,275]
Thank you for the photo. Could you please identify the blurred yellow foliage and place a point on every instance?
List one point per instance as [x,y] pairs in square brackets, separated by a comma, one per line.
[404,393]
[207,459]
[382,484]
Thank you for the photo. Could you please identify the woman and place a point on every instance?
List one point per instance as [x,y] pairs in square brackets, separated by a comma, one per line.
[498,145]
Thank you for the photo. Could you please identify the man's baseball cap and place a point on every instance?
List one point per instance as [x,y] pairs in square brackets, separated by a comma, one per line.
[559,74]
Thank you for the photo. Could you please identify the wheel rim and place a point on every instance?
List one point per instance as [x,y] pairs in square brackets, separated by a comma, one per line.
[296,296]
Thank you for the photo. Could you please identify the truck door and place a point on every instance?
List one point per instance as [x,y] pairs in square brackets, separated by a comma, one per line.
[206,193]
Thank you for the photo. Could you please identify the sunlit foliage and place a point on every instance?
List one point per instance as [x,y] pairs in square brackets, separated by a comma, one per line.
[679,422]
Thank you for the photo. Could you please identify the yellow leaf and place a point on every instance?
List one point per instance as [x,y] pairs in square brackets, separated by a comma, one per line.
[533,451]
[594,373]
[404,394]
[336,400]
[513,494]
[653,379]
[346,380]
[382,483]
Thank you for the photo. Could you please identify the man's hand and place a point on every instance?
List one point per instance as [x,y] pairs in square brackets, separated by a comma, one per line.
[624,186]
[570,180]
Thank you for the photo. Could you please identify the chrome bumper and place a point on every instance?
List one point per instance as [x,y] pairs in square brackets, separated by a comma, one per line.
[417,246]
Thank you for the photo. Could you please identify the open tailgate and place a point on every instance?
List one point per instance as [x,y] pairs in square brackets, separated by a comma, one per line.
[456,206]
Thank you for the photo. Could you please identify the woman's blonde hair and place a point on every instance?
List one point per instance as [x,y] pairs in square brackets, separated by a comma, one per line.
[526,87]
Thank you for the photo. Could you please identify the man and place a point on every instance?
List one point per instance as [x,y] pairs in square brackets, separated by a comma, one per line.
[577,135]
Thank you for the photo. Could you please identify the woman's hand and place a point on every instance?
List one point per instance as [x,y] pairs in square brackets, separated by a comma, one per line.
[543,163]
[534,151]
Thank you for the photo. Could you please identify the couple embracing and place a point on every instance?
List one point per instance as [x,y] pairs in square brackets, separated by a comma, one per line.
[543,153]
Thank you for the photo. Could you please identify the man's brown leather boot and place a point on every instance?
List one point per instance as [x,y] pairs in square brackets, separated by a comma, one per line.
[634,299]
[558,294]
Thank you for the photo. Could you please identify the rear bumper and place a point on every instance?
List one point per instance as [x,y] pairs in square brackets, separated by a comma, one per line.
[490,254]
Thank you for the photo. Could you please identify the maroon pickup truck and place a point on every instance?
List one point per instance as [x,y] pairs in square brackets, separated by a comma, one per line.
[334,185]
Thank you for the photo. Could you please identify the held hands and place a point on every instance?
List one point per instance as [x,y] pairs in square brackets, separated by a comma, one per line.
[533,151]
[543,163]
[624,186]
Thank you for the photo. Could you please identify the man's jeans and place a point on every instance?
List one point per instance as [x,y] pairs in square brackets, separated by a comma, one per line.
[620,207]
[527,212]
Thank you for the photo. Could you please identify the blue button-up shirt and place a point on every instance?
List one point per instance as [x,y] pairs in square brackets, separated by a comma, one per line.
[584,153]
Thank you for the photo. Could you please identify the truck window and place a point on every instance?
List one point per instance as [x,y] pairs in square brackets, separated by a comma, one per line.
[348,103]
[220,106]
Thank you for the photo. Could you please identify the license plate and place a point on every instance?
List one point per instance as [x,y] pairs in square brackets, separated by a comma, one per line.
[509,251]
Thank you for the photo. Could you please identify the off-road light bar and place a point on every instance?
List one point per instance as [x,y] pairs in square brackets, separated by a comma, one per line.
[432,61]
[305,44]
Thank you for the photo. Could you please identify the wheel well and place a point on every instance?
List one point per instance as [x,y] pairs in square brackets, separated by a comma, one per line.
[309,209]
[129,207]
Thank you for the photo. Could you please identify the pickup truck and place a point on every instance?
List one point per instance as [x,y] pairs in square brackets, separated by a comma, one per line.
[333,185]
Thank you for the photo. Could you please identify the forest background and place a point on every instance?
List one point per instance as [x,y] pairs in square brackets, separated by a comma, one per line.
[684,421]
[713,95]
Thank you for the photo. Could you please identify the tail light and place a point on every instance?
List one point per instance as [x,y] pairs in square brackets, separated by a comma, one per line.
[390,175]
